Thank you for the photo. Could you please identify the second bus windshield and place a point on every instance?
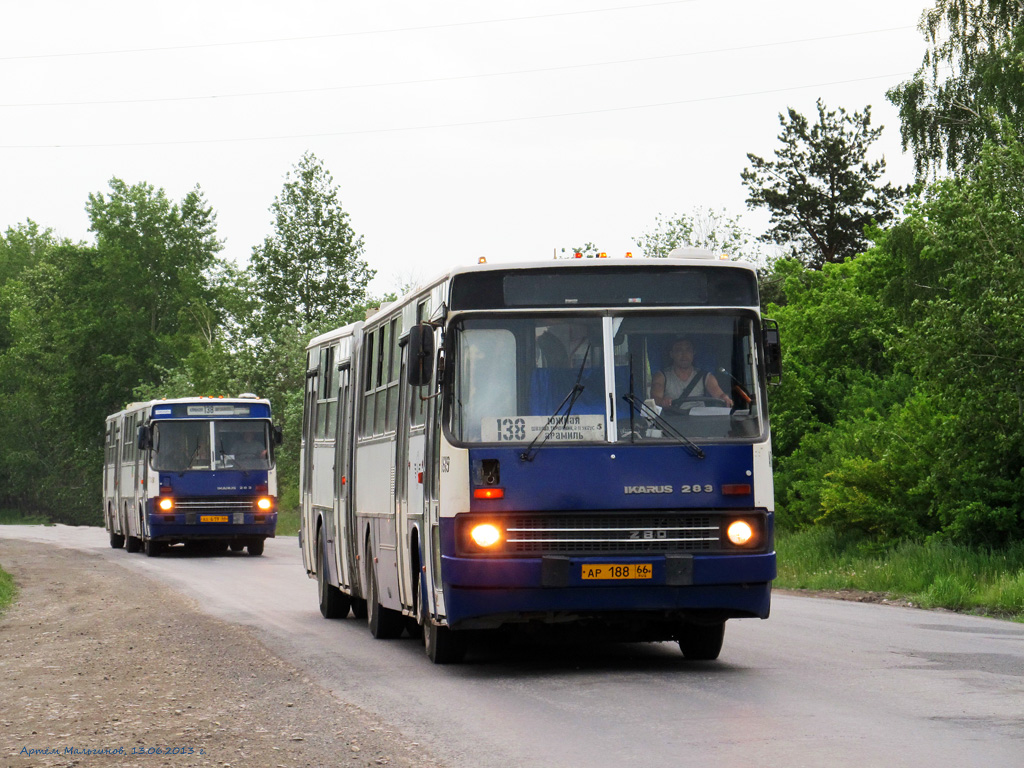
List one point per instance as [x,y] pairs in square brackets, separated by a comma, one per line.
[186,445]
[692,373]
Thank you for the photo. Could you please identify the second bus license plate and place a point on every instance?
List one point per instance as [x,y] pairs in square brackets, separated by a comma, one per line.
[618,571]
[213,518]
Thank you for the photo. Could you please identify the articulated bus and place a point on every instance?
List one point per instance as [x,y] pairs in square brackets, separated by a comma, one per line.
[195,470]
[515,446]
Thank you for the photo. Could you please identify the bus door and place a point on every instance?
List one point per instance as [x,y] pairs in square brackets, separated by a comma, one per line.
[308,521]
[345,543]
[140,473]
[402,468]
[431,508]
[126,471]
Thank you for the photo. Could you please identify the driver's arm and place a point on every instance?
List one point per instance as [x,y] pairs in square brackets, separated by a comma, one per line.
[658,390]
[716,391]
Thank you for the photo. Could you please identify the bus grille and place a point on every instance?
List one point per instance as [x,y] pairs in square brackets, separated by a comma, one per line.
[214,506]
[613,534]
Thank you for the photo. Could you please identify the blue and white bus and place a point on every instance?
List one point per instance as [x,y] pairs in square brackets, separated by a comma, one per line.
[195,470]
[507,446]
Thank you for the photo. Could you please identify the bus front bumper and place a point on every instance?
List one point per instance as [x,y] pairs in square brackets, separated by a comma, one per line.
[200,526]
[489,591]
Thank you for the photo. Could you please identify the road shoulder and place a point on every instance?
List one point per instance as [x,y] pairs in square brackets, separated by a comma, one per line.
[102,667]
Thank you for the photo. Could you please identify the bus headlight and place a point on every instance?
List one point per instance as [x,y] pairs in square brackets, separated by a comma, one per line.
[264,503]
[166,504]
[485,535]
[740,533]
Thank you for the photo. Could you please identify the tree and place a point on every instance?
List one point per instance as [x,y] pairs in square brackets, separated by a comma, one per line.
[704,228]
[311,269]
[970,80]
[87,325]
[821,190]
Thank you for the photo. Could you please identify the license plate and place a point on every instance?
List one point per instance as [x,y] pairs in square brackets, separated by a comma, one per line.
[213,518]
[618,571]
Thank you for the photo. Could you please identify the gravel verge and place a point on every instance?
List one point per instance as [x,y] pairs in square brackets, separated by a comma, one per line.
[101,667]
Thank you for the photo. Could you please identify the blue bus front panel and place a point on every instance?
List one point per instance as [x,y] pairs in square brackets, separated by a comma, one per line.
[219,504]
[610,529]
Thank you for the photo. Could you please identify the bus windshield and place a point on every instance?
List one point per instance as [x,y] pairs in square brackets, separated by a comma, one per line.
[183,445]
[521,377]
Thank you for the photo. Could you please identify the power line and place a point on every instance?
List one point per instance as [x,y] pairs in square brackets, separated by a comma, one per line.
[465,124]
[335,35]
[453,78]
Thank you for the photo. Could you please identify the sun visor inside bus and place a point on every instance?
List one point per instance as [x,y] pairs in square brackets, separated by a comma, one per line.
[605,287]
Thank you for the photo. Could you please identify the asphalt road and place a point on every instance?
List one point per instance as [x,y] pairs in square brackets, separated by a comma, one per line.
[821,683]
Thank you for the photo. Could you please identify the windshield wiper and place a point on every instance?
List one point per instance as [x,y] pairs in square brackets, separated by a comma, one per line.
[188,464]
[574,394]
[657,418]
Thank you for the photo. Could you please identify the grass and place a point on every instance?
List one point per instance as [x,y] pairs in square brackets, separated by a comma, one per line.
[13,517]
[8,590]
[288,522]
[930,574]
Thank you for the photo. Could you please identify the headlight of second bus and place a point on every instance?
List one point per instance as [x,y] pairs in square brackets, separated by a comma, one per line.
[265,504]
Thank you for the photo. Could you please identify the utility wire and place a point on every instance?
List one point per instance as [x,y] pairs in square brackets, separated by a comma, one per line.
[335,35]
[470,123]
[424,81]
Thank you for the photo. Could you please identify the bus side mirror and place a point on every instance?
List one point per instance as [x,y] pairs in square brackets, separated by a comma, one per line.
[278,435]
[421,355]
[143,438]
[772,350]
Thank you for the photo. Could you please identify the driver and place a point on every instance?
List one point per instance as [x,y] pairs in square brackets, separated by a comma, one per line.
[251,446]
[673,387]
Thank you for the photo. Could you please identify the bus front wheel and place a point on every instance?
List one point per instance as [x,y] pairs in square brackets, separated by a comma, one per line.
[702,642]
[153,548]
[444,646]
[255,547]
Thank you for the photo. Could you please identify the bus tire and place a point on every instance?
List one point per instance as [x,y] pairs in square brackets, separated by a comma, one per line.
[237,546]
[702,642]
[116,540]
[443,645]
[132,544]
[255,548]
[359,608]
[384,623]
[153,548]
[334,604]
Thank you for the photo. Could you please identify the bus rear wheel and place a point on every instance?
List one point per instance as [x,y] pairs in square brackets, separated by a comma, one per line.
[334,604]
[702,642]
[384,623]
[116,540]
[132,544]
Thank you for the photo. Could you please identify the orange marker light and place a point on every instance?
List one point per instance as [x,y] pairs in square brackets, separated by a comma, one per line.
[488,493]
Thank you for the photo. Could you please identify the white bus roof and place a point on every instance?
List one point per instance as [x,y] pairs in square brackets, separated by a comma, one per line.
[197,399]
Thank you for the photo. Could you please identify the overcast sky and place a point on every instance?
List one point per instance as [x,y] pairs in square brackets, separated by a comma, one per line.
[453,129]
